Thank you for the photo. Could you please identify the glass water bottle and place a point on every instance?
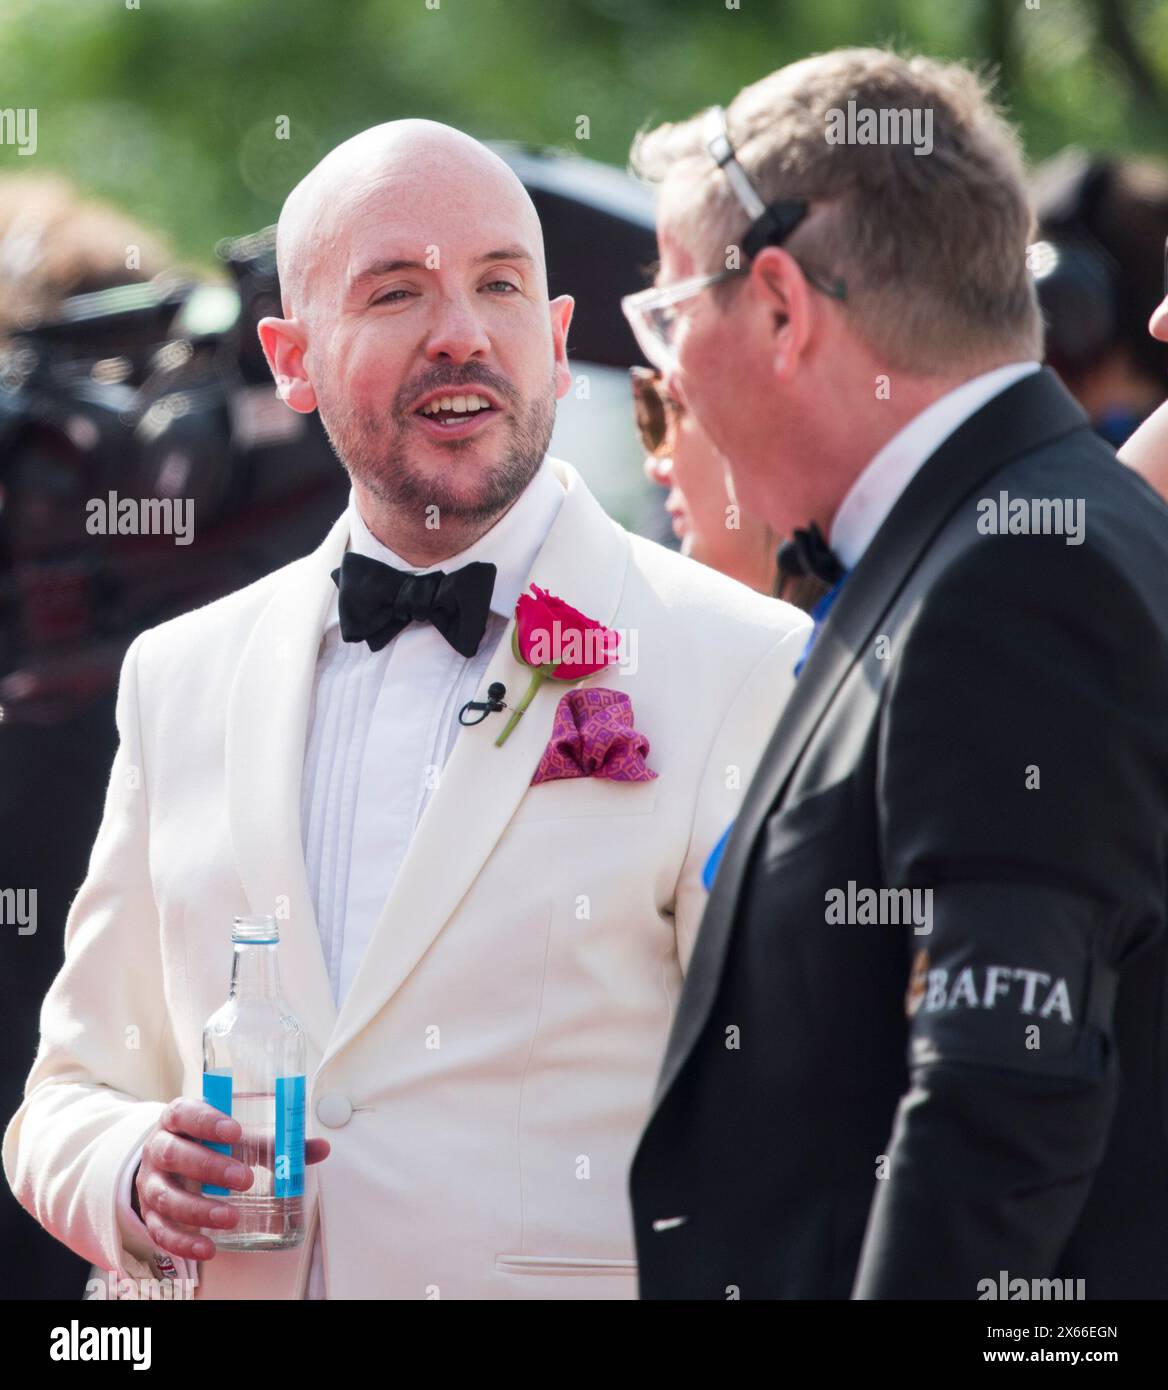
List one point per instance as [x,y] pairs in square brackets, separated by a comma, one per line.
[253,1070]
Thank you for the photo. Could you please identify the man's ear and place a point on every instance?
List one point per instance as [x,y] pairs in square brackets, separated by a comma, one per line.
[785,296]
[561,316]
[284,342]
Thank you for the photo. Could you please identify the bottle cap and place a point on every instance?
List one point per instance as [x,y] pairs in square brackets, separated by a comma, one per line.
[255,931]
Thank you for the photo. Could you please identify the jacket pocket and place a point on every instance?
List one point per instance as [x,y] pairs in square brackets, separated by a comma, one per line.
[561,1264]
[567,798]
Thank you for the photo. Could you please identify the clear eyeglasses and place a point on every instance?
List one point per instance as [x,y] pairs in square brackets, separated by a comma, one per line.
[653,314]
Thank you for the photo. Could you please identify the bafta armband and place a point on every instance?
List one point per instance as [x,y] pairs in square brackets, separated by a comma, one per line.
[1012,977]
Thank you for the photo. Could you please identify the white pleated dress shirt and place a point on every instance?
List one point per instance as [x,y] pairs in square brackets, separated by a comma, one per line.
[381,727]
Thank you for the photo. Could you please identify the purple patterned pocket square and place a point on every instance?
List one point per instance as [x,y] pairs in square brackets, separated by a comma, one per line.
[593,736]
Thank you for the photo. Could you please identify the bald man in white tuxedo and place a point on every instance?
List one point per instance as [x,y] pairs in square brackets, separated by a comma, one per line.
[486,969]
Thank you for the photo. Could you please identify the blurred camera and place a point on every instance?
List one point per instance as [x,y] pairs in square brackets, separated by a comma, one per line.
[130,402]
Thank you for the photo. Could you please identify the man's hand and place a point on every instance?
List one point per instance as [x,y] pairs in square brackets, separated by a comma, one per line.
[173,1152]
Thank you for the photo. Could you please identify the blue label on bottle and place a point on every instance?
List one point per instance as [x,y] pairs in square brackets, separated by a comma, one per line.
[288,1172]
[217,1092]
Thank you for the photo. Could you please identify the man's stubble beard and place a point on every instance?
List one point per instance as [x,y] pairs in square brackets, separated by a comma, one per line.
[384,469]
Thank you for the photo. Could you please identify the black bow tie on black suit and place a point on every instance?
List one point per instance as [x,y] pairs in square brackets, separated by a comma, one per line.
[808,554]
[376,601]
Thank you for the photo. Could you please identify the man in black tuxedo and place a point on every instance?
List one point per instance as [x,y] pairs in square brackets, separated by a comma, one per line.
[923,1041]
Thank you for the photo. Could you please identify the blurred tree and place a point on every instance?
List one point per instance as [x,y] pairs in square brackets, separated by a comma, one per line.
[1114,26]
[198,115]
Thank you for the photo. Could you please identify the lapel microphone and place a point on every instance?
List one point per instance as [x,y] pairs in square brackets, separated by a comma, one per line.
[491,705]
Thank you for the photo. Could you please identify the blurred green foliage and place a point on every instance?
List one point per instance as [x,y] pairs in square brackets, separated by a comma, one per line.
[170,107]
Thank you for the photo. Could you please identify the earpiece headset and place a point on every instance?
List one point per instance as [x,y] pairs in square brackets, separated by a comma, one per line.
[1077,278]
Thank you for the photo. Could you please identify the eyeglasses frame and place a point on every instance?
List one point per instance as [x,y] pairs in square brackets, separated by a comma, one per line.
[770,225]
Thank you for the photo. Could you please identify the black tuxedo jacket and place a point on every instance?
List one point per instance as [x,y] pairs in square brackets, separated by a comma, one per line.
[882,1093]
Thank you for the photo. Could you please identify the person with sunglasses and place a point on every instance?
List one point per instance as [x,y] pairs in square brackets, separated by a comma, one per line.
[921,1040]
[706,519]
[712,527]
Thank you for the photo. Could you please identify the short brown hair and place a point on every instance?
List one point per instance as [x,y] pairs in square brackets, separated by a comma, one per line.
[932,248]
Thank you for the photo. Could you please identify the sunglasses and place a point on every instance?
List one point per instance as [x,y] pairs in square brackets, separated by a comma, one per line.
[655,410]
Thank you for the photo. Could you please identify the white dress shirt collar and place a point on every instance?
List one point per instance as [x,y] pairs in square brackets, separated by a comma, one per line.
[875,491]
[511,545]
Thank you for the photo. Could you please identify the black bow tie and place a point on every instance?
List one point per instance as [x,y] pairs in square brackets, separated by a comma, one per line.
[376,601]
[807,553]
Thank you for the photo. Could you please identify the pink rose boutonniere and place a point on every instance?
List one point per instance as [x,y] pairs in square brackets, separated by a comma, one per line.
[558,643]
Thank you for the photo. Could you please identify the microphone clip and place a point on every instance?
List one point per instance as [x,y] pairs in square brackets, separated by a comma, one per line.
[491,705]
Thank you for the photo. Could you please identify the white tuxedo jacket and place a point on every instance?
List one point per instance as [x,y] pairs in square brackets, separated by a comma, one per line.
[490,1069]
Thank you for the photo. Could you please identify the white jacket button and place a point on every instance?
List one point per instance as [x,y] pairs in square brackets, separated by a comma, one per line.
[334,1110]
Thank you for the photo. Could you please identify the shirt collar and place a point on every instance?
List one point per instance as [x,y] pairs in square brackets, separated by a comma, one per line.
[874,493]
[511,545]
